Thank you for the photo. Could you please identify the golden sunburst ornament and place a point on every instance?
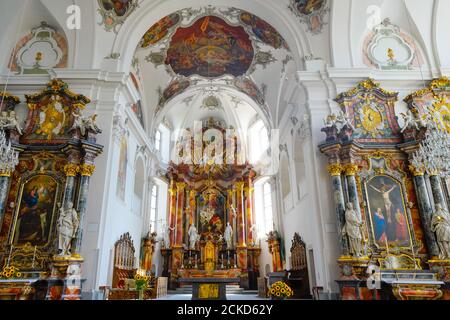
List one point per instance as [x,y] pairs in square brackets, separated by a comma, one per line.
[371,119]
[440,113]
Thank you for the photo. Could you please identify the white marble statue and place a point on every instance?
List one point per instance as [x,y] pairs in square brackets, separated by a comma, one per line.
[166,236]
[85,124]
[193,237]
[409,121]
[440,224]
[67,227]
[228,235]
[352,229]
[254,231]
[9,121]
[344,120]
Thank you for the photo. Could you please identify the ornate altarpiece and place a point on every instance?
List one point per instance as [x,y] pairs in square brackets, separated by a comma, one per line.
[369,167]
[210,195]
[56,160]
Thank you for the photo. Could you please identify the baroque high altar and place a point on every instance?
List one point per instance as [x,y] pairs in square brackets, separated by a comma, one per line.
[210,232]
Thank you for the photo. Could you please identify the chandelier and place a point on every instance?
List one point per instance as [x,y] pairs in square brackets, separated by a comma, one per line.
[9,158]
[433,154]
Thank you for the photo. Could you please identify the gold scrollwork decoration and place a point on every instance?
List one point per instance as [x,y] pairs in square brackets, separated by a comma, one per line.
[417,172]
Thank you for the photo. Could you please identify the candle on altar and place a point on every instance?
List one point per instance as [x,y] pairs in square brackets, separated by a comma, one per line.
[34,257]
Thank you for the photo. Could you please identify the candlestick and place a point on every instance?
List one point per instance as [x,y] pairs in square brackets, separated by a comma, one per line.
[235,261]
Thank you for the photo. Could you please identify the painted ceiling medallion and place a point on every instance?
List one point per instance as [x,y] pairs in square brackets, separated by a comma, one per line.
[160,30]
[210,48]
[310,12]
[263,31]
[115,12]
[387,48]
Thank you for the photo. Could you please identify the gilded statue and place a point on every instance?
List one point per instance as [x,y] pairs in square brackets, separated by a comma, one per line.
[440,224]
[352,229]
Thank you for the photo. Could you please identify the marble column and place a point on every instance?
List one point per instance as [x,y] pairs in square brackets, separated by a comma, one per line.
[335,171]
[436,189]
[350,173]
[71,170]
[240,213]
[172,213]
[249,213]
[4,187]
[86,171]
[426,211]
[180,209]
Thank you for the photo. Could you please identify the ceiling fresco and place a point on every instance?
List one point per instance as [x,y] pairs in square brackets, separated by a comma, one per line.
[199,46]
[115,12]
[210,48]
[310,12]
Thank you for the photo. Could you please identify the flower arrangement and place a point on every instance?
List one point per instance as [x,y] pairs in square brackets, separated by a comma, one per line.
[141,281]
[280,290]
[10,272]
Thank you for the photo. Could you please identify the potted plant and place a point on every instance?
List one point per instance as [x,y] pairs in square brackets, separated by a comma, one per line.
[141,282]
[280,291]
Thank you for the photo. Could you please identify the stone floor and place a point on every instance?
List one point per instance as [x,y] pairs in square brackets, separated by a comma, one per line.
[229,297]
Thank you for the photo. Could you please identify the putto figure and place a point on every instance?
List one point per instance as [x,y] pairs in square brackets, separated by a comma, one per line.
[67,227]
[85,124]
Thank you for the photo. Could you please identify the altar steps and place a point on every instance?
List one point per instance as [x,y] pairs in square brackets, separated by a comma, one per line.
[231,289]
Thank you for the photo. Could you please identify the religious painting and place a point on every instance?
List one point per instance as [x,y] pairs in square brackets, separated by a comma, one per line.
[122,173]
[159,30]
[210,48]
[137,110]
[249,88]
[212,212]
[173,89]
[37,205]
[387,212]
[310,12]
[115,12]
[263,31]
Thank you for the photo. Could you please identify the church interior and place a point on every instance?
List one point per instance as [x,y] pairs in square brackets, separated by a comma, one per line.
[212,150]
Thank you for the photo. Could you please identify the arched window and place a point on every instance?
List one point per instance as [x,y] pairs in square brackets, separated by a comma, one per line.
[258,141]
[158,140]
[264,207]
[153,207]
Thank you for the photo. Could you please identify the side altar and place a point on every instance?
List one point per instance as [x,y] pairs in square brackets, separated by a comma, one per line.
[210,232]
[43,197]
[392,210]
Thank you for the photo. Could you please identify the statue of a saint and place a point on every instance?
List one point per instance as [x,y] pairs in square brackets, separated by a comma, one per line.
[166,237]
[228,236]
[67,227]
[193,237]
[440,224]
[352,229]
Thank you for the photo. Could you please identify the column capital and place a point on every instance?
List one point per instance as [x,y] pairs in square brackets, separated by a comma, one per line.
[417,172]
[5,173]
[181,186]
[351,169]
[87,169]
[335,169]
[71,169]
[239,185]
